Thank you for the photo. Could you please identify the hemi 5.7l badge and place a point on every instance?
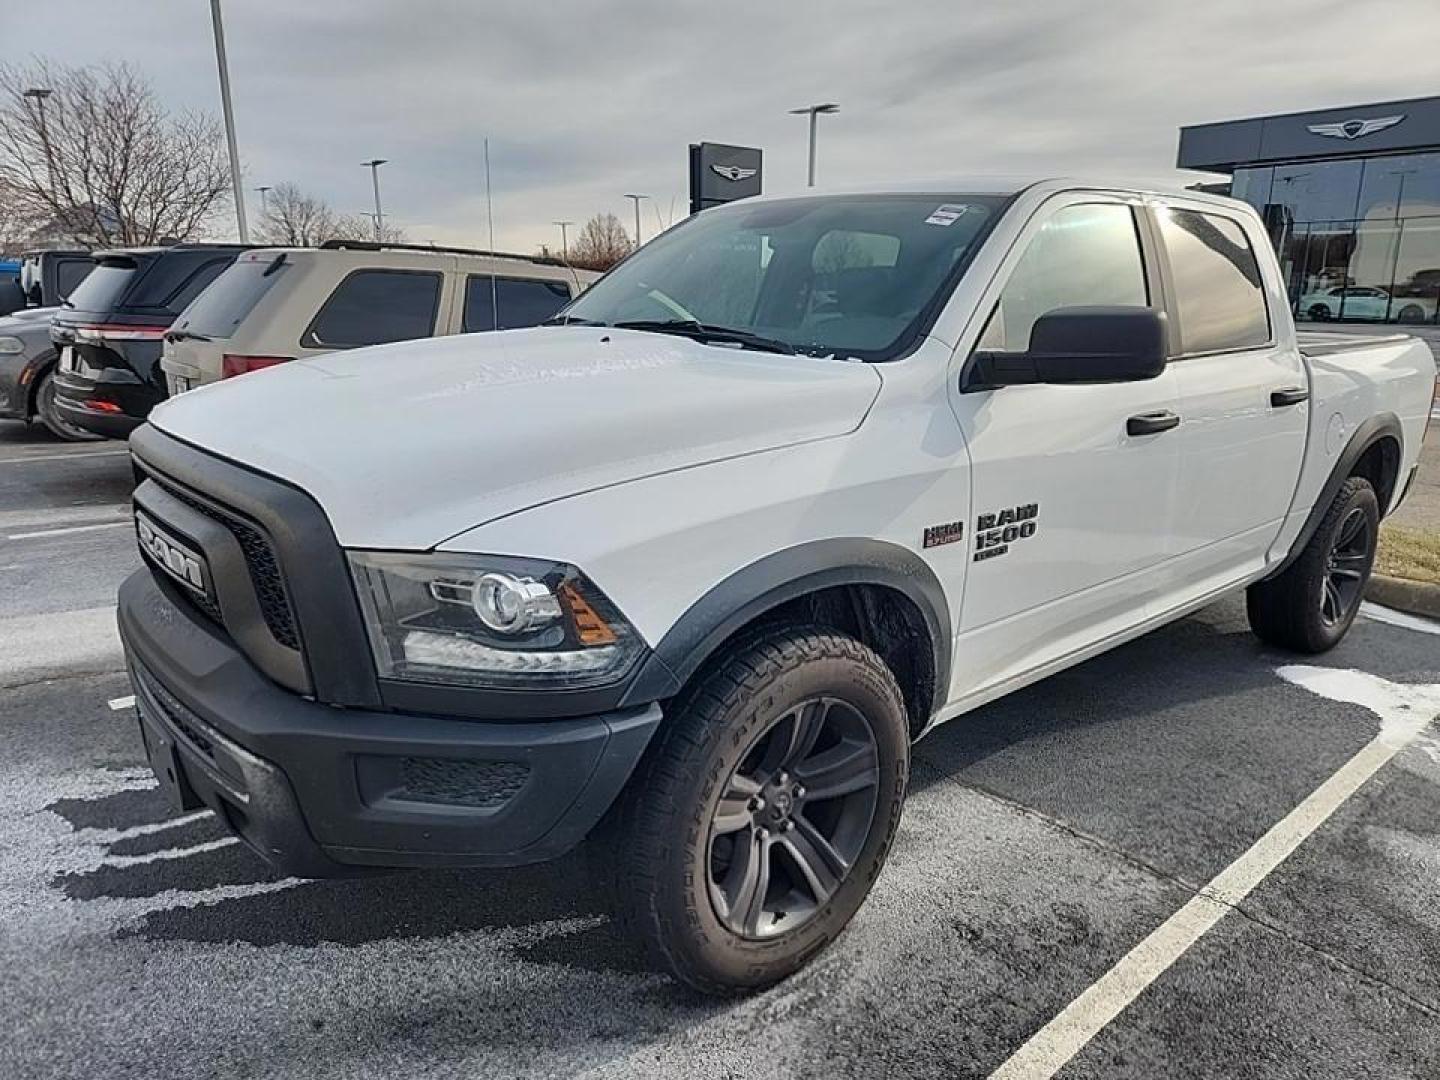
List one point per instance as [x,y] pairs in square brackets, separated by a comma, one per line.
[949,533]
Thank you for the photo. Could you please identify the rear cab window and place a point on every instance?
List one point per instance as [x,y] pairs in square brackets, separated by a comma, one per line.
[373,307]
[232,296]
[1219,293]
[520,302]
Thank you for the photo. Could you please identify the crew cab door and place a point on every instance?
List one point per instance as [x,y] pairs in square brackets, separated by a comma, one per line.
[1243,393]
[1069,509]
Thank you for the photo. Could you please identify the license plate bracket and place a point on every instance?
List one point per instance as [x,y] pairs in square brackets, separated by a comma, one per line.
[169,771]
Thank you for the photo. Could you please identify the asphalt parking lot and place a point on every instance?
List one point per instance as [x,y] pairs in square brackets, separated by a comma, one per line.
[1147,798]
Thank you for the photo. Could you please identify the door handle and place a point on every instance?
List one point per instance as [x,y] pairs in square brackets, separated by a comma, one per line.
[1151,423]
[1291,395]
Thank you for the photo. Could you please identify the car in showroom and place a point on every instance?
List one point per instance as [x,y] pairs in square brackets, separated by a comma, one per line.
[275,305]
[1364,302]
[689,570]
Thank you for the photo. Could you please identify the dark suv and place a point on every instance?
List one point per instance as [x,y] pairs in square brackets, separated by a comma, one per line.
[110,331]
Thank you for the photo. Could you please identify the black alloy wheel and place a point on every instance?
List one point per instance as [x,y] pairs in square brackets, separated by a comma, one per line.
[793,818]
[1346,567]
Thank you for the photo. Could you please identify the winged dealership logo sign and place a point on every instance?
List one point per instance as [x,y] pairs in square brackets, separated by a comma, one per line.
[733,173]
[1355,129]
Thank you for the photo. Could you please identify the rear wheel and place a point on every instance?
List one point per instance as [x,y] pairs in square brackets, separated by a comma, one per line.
[56,424]
[1319,312]
[764,811]
[1311,605]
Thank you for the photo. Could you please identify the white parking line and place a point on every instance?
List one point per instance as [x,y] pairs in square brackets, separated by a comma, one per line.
[168,854]
[64,457]
[67,530]
[1404,711]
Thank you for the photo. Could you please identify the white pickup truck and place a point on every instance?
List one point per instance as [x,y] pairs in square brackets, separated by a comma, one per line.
[690,570]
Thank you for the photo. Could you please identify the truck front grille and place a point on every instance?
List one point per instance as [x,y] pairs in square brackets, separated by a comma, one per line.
[259,560]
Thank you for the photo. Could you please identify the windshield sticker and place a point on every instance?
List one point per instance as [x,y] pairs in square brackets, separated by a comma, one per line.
[946,214]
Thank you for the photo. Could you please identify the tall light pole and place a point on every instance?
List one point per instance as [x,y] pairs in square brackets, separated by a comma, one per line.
[224,66]
[813,111]
[38,94]
[636,200]
[264,190]
[374,166]
[564,240]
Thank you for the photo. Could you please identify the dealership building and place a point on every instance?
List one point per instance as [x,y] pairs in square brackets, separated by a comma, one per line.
[1351,198]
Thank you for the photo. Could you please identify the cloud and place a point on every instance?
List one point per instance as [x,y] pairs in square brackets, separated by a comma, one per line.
[583,102]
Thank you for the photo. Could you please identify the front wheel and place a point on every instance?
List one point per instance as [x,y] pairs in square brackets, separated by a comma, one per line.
[56,424]
[1310,606]
[764,811]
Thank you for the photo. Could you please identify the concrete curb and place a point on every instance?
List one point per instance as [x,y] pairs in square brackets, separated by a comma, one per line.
[1402,594]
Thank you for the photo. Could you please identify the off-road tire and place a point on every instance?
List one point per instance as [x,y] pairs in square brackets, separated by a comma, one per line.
[664,820]
[1286,610]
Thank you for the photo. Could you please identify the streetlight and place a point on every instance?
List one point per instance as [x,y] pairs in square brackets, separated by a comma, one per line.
[813,111]
[374,166]
[38,94]
[224,67]
[564,240]
[264,190]
[636,200]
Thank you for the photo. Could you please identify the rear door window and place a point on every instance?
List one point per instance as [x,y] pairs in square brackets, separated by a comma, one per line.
[1219,295]
[222,307]
[521,302]
[372,307]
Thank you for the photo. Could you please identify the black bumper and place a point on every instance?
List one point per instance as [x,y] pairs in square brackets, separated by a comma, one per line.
[321,791]
[92,403]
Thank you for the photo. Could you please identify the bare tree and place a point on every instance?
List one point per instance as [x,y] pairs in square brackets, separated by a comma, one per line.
[602,243]
[294,218]
[101,162]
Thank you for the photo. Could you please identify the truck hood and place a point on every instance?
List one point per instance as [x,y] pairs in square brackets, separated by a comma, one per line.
[406,445]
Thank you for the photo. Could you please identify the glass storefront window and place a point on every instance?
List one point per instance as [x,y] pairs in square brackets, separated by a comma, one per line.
[1358,240]
[1416,289]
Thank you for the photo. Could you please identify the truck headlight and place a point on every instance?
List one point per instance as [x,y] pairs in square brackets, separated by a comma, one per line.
[10,346]
[496,621]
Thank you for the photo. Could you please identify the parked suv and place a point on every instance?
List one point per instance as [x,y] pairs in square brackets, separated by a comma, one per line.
[281,304]
[109,332]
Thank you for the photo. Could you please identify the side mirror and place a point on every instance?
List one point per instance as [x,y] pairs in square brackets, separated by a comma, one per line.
[1078,345]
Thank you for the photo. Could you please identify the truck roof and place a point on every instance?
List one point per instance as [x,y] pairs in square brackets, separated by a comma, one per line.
[1006,184]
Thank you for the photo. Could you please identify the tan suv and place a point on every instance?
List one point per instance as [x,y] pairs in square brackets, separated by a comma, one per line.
[279,304]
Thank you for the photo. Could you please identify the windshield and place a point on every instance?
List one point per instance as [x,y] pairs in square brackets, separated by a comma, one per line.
[855,275]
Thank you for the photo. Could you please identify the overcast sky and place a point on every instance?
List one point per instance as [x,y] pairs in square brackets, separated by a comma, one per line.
[584,101]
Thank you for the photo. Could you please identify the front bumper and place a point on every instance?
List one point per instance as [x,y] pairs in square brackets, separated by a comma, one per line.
[320,791]
[89,403]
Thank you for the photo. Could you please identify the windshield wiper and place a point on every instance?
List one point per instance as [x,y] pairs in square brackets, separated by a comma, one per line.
[571,320]
[708,332]
[185,335]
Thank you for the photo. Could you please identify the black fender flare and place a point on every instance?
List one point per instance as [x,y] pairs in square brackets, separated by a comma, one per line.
[1370,432]
[787,575]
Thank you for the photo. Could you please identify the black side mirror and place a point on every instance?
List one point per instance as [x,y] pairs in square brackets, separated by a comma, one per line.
[1078,345]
